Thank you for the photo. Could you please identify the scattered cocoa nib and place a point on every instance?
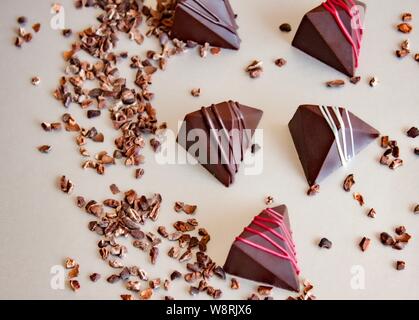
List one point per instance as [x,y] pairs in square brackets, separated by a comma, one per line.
[166,284]
[416,151]
[407,16]
[70,263]
[269,200]
[74,285]
[193,291]
[155,144]
[404,237]
[372,213]
[400,265]
[335,83]
[384,141]
[365,243]
[280,62]
[358,197]
[116,264]
[399,245]
[306,293]
[285,27]
[255,69]
[416,209]
[355,80]
[413,132]
[255,148]
[234,284]
[114,189]
[133,286]
[196,92]
[386,239]
[253,297]
[385,160]
[215,51]
[44,148]
[325,243]
[175,275]
[186,256]
[35,81]
[74,272]
[169,298]
[186,208]
[373,82]
[400,230]
[313,190]
[219,272]
[402,53]
[348,183]
[146,294]
[416,57]
[22,20]
[405,45]
[162,231]
[36,27]
[404,27]
[113,278]
[395,152]
[66,185]
[264,290]
[396,163]
[139,173]
[127,297]
[154,252]
[80,201]
[95,277]
[93,113]
[67,32]
[203,50]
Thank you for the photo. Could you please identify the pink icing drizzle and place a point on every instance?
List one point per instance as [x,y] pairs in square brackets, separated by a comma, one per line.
[330,5]
[278,221]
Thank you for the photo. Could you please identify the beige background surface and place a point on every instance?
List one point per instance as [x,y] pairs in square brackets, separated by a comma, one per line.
[40,226]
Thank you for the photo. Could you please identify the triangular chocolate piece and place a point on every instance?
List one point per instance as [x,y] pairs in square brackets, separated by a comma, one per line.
[332,33]
[202,21]
[327,138]
[265,252]
[218,137]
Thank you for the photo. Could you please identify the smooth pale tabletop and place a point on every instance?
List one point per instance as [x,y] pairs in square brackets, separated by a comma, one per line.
[40,226]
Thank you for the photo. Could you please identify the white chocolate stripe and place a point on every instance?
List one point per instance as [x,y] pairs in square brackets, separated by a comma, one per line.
[351,131]
[340,143]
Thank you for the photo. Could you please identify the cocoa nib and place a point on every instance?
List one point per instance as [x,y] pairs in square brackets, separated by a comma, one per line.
[404,27]
[74,285]
[154,252]
[255,69]
[313,190]
[358,197]
[66,185]
[175,275]
[269,200]
[348,183]
[196,92]
[280,62]
[372,213]
[396,163]
[413,132]
[386,239]
[365,243]
[400,265]
[384,141]
[416,209]
[234,284]
[95,277]
[44,149]
[355,80]
[400,230]
[264,290]
[114,189]
[335,83]
[407,16]
[186,208]
[325,243]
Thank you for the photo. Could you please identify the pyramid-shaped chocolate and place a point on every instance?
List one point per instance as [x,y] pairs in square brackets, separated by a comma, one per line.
[265,252]
[332,33]
[327,138]
[202,21]
[221,135]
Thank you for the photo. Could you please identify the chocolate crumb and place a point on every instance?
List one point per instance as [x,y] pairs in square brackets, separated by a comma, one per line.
[285,27]
[313,190]
[325,243]
[365,243]
[348,183]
